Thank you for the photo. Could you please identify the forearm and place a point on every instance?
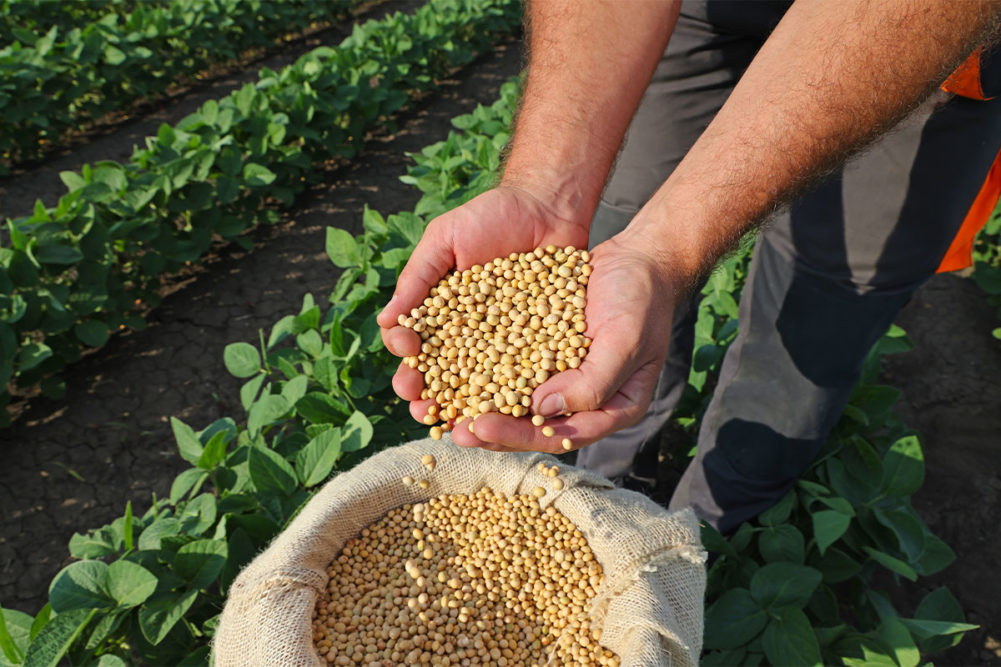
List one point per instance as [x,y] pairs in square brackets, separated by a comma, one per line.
[833,76]
[589,62]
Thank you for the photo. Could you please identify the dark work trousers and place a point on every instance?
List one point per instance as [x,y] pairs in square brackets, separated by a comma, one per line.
[828,275]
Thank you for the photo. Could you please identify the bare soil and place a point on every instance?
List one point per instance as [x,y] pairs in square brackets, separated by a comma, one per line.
[73,464]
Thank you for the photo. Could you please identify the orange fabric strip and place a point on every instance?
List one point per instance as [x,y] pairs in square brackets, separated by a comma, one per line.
[960,253]
[965,81]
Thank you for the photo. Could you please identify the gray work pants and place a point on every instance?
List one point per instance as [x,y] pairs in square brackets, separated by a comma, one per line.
[828,275]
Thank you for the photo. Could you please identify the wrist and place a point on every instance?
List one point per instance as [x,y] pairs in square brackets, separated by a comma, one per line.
[564,196]
[671,247]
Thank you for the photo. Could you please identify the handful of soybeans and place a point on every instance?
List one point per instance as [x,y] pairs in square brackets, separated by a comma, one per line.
[493,333]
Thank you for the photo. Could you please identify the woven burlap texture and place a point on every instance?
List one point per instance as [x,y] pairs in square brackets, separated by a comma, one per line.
[649,611]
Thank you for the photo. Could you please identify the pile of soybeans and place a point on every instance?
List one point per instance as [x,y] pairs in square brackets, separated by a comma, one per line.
[481,579]
[493,333]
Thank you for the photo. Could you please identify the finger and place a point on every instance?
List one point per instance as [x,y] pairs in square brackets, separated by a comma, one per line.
[463,437]
[408,383]
[520,434]
[624,409]
[401,341]
[431,259]
[418,409]
[605,368]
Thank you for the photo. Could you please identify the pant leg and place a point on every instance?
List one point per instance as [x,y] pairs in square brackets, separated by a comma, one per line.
[699,68]
[827,278]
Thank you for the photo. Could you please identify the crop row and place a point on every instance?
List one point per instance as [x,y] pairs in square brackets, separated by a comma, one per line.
[57,79]
[793,587]
[17,16]
[75,273]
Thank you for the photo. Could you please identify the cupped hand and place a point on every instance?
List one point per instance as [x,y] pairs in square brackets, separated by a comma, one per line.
[498,222]
[630,305]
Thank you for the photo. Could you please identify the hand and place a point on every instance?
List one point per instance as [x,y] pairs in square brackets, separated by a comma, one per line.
[501,221]
[630,305]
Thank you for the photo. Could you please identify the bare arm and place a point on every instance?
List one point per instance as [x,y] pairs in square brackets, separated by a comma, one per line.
[831,77]
[589,63]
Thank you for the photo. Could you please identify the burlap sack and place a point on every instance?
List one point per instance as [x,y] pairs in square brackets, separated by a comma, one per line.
[650,612]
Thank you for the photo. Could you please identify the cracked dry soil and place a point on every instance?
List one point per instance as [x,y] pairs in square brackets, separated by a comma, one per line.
[71,465]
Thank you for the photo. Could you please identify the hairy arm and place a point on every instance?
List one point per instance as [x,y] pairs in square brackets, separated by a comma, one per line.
[830,78]
[589,63]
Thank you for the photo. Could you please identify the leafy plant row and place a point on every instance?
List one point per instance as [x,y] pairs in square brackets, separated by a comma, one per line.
[75,273]
[56,80]
[318,398]
[41,15]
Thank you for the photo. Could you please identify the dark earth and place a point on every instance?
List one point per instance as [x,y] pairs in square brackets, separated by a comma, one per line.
[72,464]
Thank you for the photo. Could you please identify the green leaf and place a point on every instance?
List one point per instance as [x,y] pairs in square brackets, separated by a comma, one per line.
[891,563]
[192,478]
[319,408]
[357,432]
[295,389]
[32,354]
[187,442]
[41,618]
[828,527]
[158,618]
[241,359]
[782,543]
[200,562]
[113,55]
[315,461]
[733,620]
[56,637]
[214,452]
[871,658]
[81,585]
[310,342]
[152,535]
[130,584]
[903,467]
[257,175]
[836,566]
[778,584]
[266,411]
[95,545]
[57,253]
[923,629]
[894,637]
[15,635]
[789,639]
[92,332]
[939,605]
[341,248]
[936,556]
[270,472]
[906,527]
[249,391]
[127,529]
[199,514]
[779,512]
[110,660]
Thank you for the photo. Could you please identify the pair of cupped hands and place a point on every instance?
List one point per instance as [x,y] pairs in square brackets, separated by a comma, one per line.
[628,313]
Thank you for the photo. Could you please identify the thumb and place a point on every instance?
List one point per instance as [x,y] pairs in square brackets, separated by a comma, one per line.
[586,388]
[431,259]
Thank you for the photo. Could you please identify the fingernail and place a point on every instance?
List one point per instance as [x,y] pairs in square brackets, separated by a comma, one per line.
[552,405]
